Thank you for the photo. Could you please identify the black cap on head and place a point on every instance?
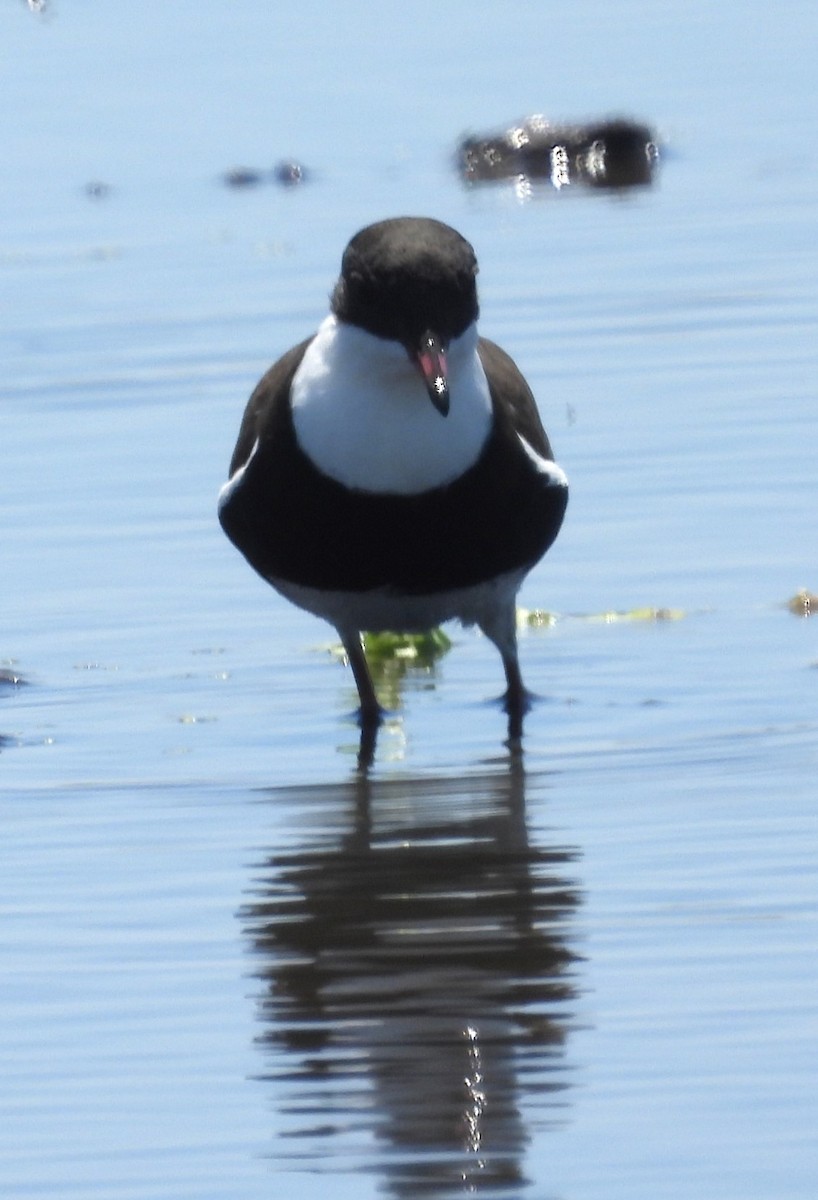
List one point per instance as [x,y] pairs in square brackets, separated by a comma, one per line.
[402,277]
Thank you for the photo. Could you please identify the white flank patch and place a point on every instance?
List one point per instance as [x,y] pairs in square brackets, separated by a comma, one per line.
[362,413]
[554,473]
[227,489]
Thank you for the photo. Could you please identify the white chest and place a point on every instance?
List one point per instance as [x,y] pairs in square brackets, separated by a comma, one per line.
[362,414]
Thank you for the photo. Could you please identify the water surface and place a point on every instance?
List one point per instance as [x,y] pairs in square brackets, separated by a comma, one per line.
[234,964]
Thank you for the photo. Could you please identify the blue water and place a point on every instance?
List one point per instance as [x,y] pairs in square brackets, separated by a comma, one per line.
[232,965]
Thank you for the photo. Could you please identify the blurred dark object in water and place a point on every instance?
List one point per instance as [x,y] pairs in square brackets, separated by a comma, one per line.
[243,177]
[288,172]
[97,190]
[613,153]
[10,678]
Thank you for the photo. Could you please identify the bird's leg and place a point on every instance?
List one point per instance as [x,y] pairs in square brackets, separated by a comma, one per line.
[517,700]
[371,713]
[500,625]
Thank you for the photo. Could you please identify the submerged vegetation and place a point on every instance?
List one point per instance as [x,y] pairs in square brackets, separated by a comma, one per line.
[637,614]
[416,649]
[540,618]
[422,650]
[391,655]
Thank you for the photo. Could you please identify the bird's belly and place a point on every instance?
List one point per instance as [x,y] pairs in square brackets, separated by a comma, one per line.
[381,609]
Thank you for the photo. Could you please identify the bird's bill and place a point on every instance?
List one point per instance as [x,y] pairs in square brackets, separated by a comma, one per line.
[430,359]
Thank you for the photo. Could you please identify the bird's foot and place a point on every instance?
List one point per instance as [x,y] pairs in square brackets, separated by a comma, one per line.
[517,702]
[369,719]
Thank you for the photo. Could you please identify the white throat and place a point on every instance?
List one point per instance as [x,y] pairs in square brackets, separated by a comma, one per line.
[363,416]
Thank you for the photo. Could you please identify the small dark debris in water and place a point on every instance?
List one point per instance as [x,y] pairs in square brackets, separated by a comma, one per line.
[97,190]
[289,173]
[612,153]
[803,604]
[9,678]
[243,177]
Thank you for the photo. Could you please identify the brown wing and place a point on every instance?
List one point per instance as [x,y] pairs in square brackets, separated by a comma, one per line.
[270,394]
[518,405]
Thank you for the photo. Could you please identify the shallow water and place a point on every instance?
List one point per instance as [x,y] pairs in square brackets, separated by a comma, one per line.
[231,962]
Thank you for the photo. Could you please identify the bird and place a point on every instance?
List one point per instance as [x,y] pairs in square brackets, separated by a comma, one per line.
[392,471]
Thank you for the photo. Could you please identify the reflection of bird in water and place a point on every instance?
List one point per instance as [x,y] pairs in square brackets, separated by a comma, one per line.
[418,979]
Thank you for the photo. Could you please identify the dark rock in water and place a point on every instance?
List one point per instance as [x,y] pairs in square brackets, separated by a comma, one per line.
[288,173]
[243,177]
[9,678]
[612,153]
[97,190]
